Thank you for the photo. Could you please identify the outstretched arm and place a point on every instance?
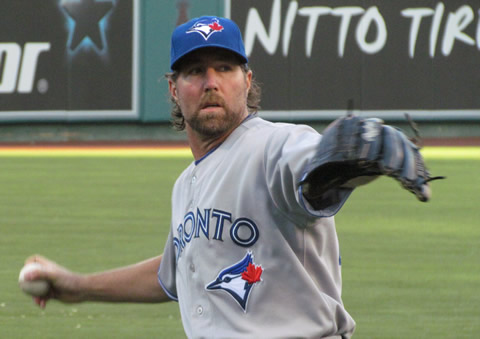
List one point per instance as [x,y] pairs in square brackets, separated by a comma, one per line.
[135,283]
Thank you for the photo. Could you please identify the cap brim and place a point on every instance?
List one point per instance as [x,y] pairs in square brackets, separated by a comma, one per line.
[178,61]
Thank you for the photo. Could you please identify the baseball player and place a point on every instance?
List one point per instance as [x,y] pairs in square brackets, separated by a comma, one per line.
[252,250]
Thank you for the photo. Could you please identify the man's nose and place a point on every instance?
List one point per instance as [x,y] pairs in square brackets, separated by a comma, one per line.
[211,79]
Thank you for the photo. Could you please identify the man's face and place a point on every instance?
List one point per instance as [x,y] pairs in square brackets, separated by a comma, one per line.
[212,91]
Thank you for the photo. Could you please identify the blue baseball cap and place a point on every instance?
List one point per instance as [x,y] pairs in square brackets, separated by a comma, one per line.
[206,31]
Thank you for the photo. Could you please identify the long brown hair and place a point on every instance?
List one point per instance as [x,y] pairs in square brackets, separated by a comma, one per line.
[253,99]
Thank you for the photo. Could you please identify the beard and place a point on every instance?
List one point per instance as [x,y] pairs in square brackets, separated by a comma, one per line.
[210,125]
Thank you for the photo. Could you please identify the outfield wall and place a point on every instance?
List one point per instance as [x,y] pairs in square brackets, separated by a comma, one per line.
[74,70]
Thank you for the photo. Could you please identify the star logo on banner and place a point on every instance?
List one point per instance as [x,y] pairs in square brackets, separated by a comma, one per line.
[87,21]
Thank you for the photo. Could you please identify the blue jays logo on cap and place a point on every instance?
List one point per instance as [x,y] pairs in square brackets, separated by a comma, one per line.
[206,27]
[238,280]
[206,31]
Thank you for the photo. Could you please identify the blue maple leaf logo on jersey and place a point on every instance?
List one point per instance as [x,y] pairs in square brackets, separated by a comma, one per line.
[206,28]
[238,280]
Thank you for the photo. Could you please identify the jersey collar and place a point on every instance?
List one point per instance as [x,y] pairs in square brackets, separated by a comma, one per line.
[216,147]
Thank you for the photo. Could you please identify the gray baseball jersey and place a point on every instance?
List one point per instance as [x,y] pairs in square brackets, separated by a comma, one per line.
[247,256]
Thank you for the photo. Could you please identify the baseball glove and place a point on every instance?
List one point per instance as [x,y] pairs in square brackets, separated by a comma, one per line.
[354,151]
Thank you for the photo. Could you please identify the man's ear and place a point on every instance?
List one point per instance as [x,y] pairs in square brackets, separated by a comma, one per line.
[172,88]
[249,76]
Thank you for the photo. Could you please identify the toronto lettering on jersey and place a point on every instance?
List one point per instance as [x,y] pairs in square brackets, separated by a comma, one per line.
[212,224]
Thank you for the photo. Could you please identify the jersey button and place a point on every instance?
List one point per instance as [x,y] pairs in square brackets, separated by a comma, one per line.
[192,267]
[194,178]
[199,310]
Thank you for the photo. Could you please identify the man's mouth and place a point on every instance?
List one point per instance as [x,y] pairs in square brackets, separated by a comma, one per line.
[211,105]
[211,102]
[208,105]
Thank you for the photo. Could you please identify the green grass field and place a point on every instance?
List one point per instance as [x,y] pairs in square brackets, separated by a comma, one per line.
[410,269]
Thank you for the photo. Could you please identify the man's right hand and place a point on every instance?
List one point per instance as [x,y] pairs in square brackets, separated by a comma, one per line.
[64,284]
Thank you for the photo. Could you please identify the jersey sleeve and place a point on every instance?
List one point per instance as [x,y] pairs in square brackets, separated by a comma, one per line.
[166,272]
[287,155]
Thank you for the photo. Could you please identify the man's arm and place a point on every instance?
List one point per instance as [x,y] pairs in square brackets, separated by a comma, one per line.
[135,283]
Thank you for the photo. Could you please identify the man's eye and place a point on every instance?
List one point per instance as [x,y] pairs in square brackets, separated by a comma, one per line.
[195,70]
[225,68]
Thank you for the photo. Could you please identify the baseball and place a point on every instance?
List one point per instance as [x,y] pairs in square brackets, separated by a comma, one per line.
[35,288]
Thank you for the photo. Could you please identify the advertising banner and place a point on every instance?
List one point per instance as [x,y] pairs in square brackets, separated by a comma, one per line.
[68,59]
[388,57]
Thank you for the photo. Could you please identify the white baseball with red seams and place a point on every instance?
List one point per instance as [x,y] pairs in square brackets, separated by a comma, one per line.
[35,288]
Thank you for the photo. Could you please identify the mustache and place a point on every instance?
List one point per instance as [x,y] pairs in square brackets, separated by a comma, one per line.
[210,99]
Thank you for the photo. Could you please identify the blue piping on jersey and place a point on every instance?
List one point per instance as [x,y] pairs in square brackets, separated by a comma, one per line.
[206,155]
[167,292]
[215,148]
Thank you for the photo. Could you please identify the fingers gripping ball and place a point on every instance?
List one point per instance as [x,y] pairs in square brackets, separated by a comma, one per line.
[37,288]
[355,150]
